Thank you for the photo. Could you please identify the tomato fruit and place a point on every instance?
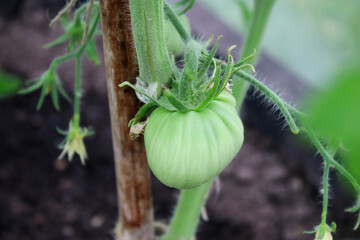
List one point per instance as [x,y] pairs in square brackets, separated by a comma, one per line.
[187,149]
[193,131]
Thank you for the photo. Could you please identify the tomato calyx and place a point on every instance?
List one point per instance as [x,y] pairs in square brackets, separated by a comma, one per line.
[192,89]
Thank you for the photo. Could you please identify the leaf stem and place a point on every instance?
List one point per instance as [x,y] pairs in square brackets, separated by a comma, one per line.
[272,96]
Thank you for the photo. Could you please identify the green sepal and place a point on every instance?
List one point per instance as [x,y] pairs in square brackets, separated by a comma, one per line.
[175,102]
[54,97]
[50,84]
[143,112]
[321,229]
[190,69]
[61,90]
[31,88]
[58,40]
[42,98]
[245,59]
[72,44]
[309,232]
[333,227]
[208,60]
[207,81]
[61,131]
[157,102]
[227,73]
[212,91]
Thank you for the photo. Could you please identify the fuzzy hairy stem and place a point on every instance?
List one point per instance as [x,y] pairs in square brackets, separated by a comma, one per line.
[272,96]
[147,18]
[258,22]
[132,171]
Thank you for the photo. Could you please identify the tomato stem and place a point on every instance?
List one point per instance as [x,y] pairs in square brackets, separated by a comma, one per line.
[187,212]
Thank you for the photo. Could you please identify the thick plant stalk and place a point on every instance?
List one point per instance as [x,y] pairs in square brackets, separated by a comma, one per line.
[132,172]
[187,213]
[147,17]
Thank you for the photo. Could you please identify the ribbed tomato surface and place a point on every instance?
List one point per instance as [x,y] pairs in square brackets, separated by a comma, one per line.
[185,150]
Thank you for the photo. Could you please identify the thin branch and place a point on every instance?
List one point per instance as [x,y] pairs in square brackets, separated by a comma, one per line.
[62,12]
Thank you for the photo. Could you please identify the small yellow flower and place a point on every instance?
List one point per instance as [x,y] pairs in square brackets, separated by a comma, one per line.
[74,143]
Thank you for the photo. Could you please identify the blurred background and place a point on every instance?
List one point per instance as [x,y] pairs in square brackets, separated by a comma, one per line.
[271,189]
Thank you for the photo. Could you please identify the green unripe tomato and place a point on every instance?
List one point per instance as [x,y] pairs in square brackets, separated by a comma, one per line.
[174,42]
[185,150]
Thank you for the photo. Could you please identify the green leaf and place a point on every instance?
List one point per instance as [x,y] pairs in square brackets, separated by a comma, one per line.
[54,97]
[59,40]
[42,98]
[9,84]
[335,114]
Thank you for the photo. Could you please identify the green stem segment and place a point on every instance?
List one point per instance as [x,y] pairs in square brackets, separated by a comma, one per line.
[259,19]
[187,213]
[147,18]
[77,91]
[325,192]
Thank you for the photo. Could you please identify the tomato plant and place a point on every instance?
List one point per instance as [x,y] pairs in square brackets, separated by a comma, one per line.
[193,129]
